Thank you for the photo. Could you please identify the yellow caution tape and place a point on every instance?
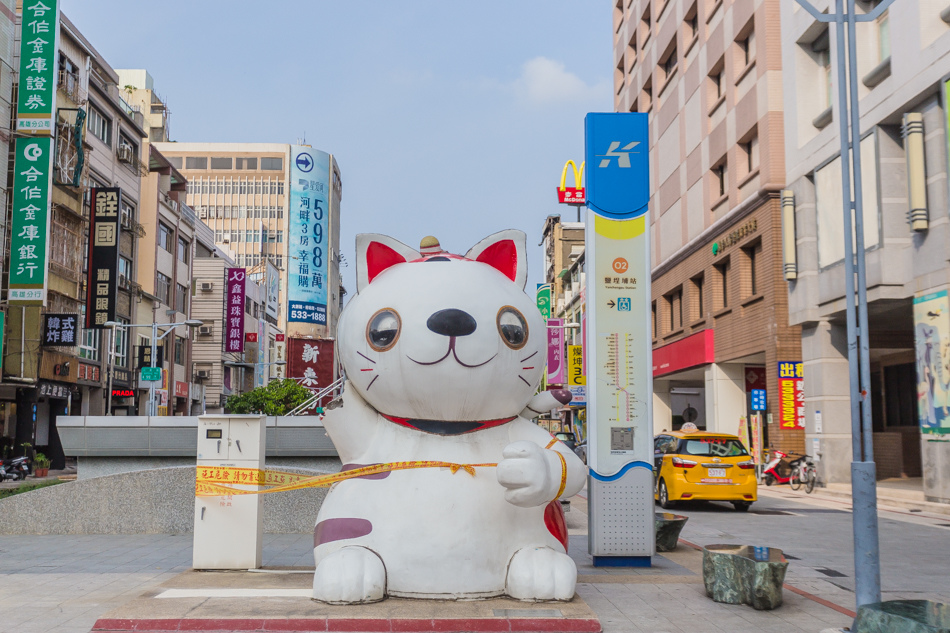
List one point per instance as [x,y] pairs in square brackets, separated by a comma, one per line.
[214,481]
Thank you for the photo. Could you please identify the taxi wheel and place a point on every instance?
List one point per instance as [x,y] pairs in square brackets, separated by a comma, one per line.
[742,506]
[664,495]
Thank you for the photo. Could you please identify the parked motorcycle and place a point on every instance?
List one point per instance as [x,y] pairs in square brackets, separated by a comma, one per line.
[15,468]
[779,470]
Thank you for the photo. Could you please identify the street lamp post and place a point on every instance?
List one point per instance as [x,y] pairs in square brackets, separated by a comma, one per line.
[192,323]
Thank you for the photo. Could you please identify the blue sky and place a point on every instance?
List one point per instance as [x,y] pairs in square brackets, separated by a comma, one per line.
[447,118]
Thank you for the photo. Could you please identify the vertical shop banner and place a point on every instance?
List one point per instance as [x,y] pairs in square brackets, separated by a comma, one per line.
[261,359]
[556,369]
[576,380]
[757,438]
[544,300]
[307,271]
[59,330]
[932,341]
[271,290]
[310,363]
[29,229]
[791,395]
[39,41]
[280,353]
[102,277]
[236,278]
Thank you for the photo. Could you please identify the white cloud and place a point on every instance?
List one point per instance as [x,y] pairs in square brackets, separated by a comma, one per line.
[546,80]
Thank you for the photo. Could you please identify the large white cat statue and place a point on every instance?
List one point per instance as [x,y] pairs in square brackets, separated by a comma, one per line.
[443,355]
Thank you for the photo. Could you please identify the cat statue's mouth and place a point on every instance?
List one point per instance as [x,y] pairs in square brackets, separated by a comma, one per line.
[451,351]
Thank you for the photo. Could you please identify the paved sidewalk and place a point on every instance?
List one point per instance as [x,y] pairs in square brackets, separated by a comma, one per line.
[893,494]
[64,584]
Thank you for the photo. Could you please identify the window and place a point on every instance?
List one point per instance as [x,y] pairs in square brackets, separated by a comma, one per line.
[668,65]
[163,286]
[245,163]
[645,26]
[184,248]
[272,164]
[716,83]
[221,162]
[883,37]
[646,97]
[675,304]
[181,298]
[196,162]
[89,343]
[750,254]
[165,236]
[749,153]
[125,141]
[280,191]
[722,270]
[719,182]
[247,304]
[691,25]
[179,350]
[746,50]
[125,268]
[698,293]
[176,161]
[653,307]
[100,125]
[121,344]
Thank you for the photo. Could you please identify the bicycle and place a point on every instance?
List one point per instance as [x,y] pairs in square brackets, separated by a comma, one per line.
[805,474]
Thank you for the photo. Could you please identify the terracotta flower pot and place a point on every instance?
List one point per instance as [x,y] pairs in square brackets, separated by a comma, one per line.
[41,472]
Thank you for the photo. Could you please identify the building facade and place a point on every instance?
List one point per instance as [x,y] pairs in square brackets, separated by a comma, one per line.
[706,72]
[52,380]
[903,64]
[243,192]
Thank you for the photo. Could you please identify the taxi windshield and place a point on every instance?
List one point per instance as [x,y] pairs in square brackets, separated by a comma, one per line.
[712,446]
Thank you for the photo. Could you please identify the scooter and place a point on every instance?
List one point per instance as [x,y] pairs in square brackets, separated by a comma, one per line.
[15,468]
[772,473]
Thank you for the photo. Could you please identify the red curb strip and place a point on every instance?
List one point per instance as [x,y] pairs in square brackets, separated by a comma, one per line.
[801,592]
[399,625]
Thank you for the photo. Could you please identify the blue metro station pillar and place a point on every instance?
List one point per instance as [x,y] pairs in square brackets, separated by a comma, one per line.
[620,358]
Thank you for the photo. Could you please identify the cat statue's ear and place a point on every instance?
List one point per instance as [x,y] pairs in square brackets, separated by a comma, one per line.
[505,252]
[375,253]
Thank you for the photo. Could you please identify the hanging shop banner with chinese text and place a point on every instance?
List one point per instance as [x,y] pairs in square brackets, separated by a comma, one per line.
[29,230]
[932,341]
[280,354]
[59,330]
[307,270]
[544,300]
[102,278]
[272,289]
[791,395]
[310,362]
[36,104]
[236,278]
[556,369]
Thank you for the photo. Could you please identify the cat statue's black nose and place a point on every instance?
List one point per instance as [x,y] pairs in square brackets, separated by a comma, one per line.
[451,322]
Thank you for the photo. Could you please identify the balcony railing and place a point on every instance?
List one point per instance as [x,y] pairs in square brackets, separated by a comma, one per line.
[70,85]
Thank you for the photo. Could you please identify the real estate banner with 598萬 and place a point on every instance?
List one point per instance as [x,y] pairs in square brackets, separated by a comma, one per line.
[308,251]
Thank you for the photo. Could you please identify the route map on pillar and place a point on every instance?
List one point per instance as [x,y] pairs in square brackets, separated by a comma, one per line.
[620,371]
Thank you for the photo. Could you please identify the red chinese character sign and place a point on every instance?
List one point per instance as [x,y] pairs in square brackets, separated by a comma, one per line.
[236,278]
[556,368]
[791,395]
[310,362]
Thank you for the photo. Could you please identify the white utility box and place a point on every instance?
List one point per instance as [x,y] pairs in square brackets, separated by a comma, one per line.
[229,529]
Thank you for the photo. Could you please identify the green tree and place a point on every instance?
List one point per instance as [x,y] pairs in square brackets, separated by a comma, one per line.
[279,397]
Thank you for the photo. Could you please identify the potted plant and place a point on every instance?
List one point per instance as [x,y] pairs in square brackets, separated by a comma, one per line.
[40,465]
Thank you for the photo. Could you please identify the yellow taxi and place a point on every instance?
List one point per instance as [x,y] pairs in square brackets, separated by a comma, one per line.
[703,466]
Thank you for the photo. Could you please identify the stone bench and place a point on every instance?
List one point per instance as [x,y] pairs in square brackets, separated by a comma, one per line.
[905,616]
[742,574]
[668,527]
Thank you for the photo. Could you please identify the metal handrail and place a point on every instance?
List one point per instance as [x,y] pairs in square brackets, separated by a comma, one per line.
[314,399]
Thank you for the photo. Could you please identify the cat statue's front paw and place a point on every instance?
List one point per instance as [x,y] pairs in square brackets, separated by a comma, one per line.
[352,575]
[540,573]
[531,474]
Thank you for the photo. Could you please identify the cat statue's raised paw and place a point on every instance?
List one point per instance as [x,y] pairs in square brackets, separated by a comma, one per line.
[443,356]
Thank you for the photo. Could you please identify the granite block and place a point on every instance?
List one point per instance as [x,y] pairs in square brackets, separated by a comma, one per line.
[668,527]
[903,616]
[740,574]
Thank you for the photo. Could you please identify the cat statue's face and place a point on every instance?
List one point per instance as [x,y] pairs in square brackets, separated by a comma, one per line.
[435,336]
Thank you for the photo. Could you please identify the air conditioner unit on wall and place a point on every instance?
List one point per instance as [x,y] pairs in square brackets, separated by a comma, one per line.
[125,153]
[205,330]
[202,374]
[207,286]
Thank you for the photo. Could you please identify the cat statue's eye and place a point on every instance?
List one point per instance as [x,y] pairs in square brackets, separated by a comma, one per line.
[512,327]
[383,329]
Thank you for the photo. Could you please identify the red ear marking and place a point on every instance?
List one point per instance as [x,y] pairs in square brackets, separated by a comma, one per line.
[379,257]
[502,256]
